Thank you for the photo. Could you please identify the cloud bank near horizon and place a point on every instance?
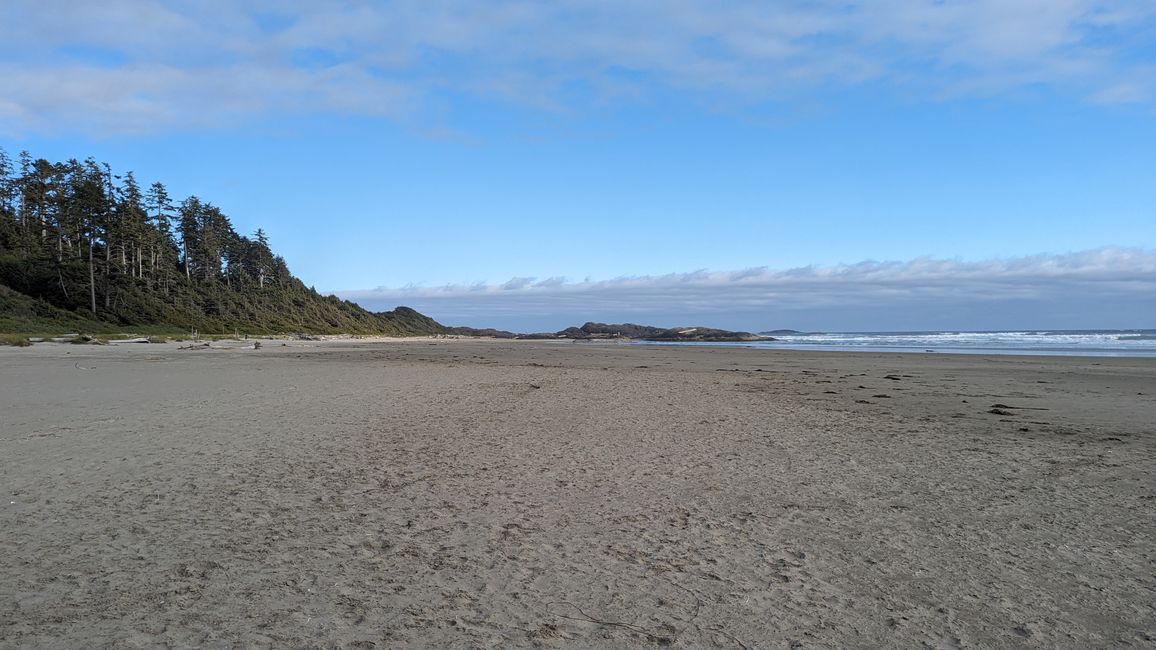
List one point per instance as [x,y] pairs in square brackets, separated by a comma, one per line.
[1102,288]
[142,66]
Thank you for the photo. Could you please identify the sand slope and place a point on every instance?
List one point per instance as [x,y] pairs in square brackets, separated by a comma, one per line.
[533,494]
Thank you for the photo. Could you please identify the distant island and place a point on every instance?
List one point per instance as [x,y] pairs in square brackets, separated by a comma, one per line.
[591,331]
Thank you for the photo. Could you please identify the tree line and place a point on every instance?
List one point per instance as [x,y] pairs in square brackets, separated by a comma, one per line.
[81,246]
[79,214]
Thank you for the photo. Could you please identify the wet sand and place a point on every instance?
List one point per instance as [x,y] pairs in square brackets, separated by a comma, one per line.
[470,493]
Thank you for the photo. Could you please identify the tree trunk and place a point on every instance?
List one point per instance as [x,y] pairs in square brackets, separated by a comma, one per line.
[91,280]
[63,288]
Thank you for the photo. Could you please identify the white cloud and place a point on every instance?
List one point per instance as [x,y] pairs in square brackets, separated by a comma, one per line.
[153,64]
[917,291]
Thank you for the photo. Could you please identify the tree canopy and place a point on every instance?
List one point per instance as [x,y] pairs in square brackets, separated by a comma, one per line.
[80,242]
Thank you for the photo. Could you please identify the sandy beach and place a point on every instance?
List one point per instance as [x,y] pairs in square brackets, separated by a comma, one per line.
[489,494]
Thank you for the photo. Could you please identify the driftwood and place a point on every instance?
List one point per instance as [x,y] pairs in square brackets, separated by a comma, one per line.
[143,339]
[195,346]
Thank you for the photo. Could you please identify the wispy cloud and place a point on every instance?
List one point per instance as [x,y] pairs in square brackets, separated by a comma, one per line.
[1042,290]
[142,65]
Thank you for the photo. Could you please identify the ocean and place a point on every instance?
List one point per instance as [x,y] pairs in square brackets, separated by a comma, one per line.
[1093,343]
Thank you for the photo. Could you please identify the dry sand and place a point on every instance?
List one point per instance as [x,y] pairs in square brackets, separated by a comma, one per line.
[468,493]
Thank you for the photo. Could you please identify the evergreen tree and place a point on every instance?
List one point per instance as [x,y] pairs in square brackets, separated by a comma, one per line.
[188,229]
[159,210]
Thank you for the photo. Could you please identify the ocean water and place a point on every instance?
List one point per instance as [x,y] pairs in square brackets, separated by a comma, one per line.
[1098,343]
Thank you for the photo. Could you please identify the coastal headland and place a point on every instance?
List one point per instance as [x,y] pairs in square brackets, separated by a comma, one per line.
[484,493]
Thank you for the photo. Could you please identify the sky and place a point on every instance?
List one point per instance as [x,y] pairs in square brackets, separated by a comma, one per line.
[527,165]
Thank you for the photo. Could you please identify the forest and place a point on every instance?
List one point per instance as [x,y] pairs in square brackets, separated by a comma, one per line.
[85,249]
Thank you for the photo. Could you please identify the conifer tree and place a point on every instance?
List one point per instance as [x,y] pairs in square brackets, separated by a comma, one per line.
[188,229]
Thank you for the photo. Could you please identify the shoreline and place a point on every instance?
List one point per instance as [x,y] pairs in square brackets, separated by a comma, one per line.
[480,492]
[765,343]
[867,349]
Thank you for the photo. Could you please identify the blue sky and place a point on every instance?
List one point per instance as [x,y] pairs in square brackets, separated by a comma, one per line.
[822,165]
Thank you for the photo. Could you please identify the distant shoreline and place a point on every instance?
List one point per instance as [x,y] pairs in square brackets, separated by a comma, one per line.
[1132,343]
[999,352]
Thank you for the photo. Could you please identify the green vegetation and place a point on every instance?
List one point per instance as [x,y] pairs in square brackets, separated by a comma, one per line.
[84,250]
[17,340]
